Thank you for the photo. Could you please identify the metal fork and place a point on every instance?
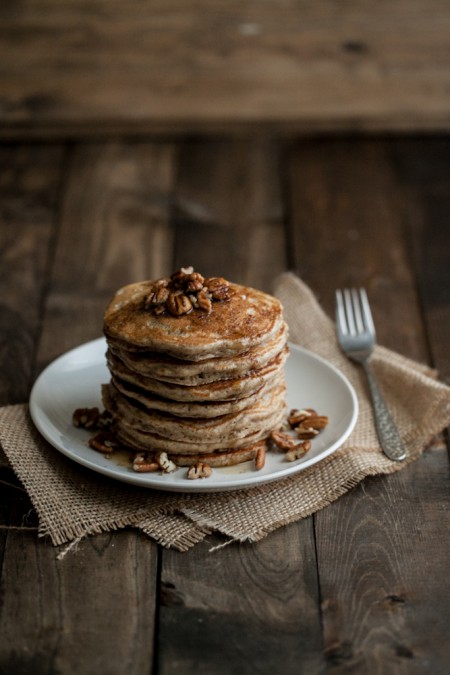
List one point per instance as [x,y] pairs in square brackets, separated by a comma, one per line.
[356,336]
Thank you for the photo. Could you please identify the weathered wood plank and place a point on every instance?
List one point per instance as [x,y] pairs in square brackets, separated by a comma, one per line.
[424,169]
[89,613]
[107,66]
[383,575]
[246,608]
[379,580]
[243,608]
[348,229]
[29,179]
[94,610]
[114,230]
[228,212]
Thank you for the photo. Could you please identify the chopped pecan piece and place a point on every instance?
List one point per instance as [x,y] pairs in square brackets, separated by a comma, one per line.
[193,282]
[104,420]
[164,462]
[103,442]
[144,463]
[199,470]
[178,278]
[204,301]
[161,283]
[299,451]
[178,303]
[297,416]
[86,418]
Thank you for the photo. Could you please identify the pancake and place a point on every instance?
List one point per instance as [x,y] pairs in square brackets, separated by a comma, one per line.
[222,390]
[140,440]
[186,409]
[248,319]
[221,458]
[226,427]
[169,369]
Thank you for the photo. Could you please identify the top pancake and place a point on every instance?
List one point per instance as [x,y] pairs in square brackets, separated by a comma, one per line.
[248,319]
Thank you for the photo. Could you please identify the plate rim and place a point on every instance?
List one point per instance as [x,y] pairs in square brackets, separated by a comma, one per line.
[236,482]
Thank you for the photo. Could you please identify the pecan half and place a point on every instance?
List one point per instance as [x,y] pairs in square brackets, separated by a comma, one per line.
[306,432]
[260,459]
[299,451]
[283,440]
[86,418]
[317,422]
[158,297]
[199,470]
[178,303]
[218,288]
[311,426]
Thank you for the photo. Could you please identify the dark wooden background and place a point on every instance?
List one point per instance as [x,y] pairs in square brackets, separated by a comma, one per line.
[99,67]
[244,138]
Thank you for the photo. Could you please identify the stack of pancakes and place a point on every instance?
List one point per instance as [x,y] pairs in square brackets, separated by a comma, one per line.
[195,373]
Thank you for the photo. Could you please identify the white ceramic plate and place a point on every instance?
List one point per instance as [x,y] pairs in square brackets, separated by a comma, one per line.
[74,379]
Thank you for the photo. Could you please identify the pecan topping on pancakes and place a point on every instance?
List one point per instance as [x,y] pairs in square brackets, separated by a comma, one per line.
[185,291]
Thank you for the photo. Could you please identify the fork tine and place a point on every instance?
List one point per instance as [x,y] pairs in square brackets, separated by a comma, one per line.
[341,321]
[357,311]
[349,312]
[366,313]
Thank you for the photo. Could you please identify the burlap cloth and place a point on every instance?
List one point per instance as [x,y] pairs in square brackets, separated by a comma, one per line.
[72,502]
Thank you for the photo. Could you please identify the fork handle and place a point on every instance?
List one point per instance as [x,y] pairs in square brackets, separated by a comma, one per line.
[388,435]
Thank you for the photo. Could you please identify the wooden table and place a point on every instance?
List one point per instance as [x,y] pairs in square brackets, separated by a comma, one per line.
[363,586]
[112,66]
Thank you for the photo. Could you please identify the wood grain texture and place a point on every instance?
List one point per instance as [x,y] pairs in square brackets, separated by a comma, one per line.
[228,210]
[93,611]
[29,181]
[107,66]
[424,171]
[245,608]
[114,230]
[89,613]
[29,193]
[377,546]
[381,554]
[347,229]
